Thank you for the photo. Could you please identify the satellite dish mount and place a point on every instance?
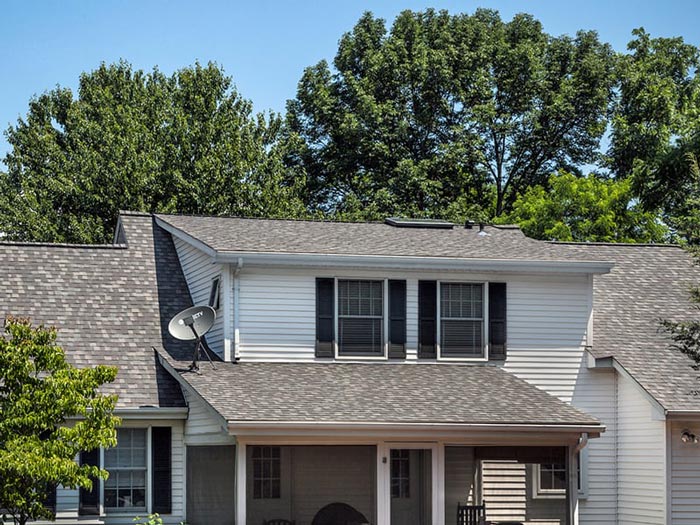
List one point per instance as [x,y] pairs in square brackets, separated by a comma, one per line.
[190,325]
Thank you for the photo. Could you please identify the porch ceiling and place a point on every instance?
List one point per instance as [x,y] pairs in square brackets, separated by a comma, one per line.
[376,393]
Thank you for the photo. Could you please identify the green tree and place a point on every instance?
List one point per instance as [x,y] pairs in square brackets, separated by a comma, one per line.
[186,143]
[39,392]
[656,122]
[444,109]
[588,208]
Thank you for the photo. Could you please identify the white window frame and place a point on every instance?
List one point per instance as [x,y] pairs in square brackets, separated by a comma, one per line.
[484,327]
[385,320]
[129,511]
[538,492]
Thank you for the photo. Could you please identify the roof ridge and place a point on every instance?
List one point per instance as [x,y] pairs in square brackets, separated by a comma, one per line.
[620,244]
[120,246]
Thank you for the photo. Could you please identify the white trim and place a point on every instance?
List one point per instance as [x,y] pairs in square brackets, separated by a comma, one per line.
[538,492]
[211,252]
[322,260]
[484,322]
[583,466]
[385,321]
[152,413]
[236,309]
[225,295]
[149,469]
[241,482]
[589,302]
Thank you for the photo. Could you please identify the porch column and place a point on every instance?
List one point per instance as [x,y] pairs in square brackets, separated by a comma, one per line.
[240,483]
[572,492]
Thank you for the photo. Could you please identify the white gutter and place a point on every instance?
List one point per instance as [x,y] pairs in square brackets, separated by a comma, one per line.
[152,413]
[320,260]
[236,426]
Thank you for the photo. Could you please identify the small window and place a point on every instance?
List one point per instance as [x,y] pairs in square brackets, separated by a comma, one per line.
[360,317]
[214,293]
[461,320]
[125,489]
[551,479]
[400,473]
[266,472]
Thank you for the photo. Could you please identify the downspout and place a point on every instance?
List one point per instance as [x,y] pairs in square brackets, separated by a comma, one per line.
[236,300]
[582,442]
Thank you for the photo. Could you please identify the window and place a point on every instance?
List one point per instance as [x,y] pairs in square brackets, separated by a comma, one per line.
[214,300]
[266,472]
[400,473]
[126,463]
[461,320]
[551,479]
[360,317]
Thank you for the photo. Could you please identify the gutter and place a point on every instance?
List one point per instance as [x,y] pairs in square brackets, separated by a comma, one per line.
[152,413]
[585,428]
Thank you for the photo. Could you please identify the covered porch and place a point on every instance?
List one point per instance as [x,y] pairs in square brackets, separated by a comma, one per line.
[454,481]
[379,444]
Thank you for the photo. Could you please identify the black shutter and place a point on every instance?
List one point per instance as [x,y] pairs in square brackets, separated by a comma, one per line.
[397,319]
[497,322]
[90,499]
[325,313]
[50,502]
[162,469]
[427,319]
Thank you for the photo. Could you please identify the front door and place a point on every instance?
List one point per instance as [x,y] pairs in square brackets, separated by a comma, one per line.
[411,485]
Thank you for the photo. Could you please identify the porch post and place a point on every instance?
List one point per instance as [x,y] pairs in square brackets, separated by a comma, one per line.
[572,492]
[240,483]
[383,500]
[439,485]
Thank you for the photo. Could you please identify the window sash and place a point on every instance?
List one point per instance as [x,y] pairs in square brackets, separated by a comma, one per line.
[361,330]
[552,478]
[127,463]
[462,320]
[267,467]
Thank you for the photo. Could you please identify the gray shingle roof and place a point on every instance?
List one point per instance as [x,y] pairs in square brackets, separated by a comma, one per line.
[109,304]
[646,284]
[229,234]
[375,392]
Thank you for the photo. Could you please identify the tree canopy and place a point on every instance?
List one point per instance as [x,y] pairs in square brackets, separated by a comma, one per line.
[39,392]
[186,143]
[446,109]
[587,208]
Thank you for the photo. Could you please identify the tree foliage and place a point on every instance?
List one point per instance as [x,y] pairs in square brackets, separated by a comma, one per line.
[186,143]
[39,392]
[444,109]
[656,123]
[588,208]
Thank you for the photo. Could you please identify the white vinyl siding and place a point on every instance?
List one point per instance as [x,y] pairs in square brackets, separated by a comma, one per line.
[203,426]
[685,474]
[595,394]
[199,272]
[641,458]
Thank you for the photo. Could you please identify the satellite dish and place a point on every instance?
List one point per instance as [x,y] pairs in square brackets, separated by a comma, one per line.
[190,325]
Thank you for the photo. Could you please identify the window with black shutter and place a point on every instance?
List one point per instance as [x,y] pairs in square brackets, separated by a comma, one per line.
[427,319]
[397,319]
[497,322]
[325,317]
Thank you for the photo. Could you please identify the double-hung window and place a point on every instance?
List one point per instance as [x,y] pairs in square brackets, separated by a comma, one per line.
[125,489]
[550,480]
[360,317]
[462,320]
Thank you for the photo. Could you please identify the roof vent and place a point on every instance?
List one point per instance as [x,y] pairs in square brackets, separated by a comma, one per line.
[398,222]
[469,224]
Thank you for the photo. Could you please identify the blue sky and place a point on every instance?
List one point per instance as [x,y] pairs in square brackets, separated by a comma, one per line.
[263,44]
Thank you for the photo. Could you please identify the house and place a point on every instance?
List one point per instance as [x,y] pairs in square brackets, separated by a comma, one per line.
[380,373]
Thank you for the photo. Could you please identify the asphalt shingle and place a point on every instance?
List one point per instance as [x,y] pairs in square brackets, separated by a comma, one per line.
[377,393]
[109,303]
[648,283]
[229,234]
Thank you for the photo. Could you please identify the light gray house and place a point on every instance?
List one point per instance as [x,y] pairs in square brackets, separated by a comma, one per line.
[381,373]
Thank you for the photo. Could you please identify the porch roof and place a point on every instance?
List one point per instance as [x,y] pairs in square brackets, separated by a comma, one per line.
[372,393]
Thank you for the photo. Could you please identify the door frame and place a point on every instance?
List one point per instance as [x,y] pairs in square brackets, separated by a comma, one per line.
[437,456]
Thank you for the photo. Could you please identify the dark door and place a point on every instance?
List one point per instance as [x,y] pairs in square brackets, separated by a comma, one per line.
[211,491]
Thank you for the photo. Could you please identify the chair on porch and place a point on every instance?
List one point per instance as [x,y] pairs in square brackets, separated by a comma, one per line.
[471,514]
[279,522]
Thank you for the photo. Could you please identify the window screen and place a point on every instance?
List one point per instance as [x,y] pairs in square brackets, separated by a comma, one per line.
[461,320]
[552,477]
[266,472]
[360,317]
[126,463]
